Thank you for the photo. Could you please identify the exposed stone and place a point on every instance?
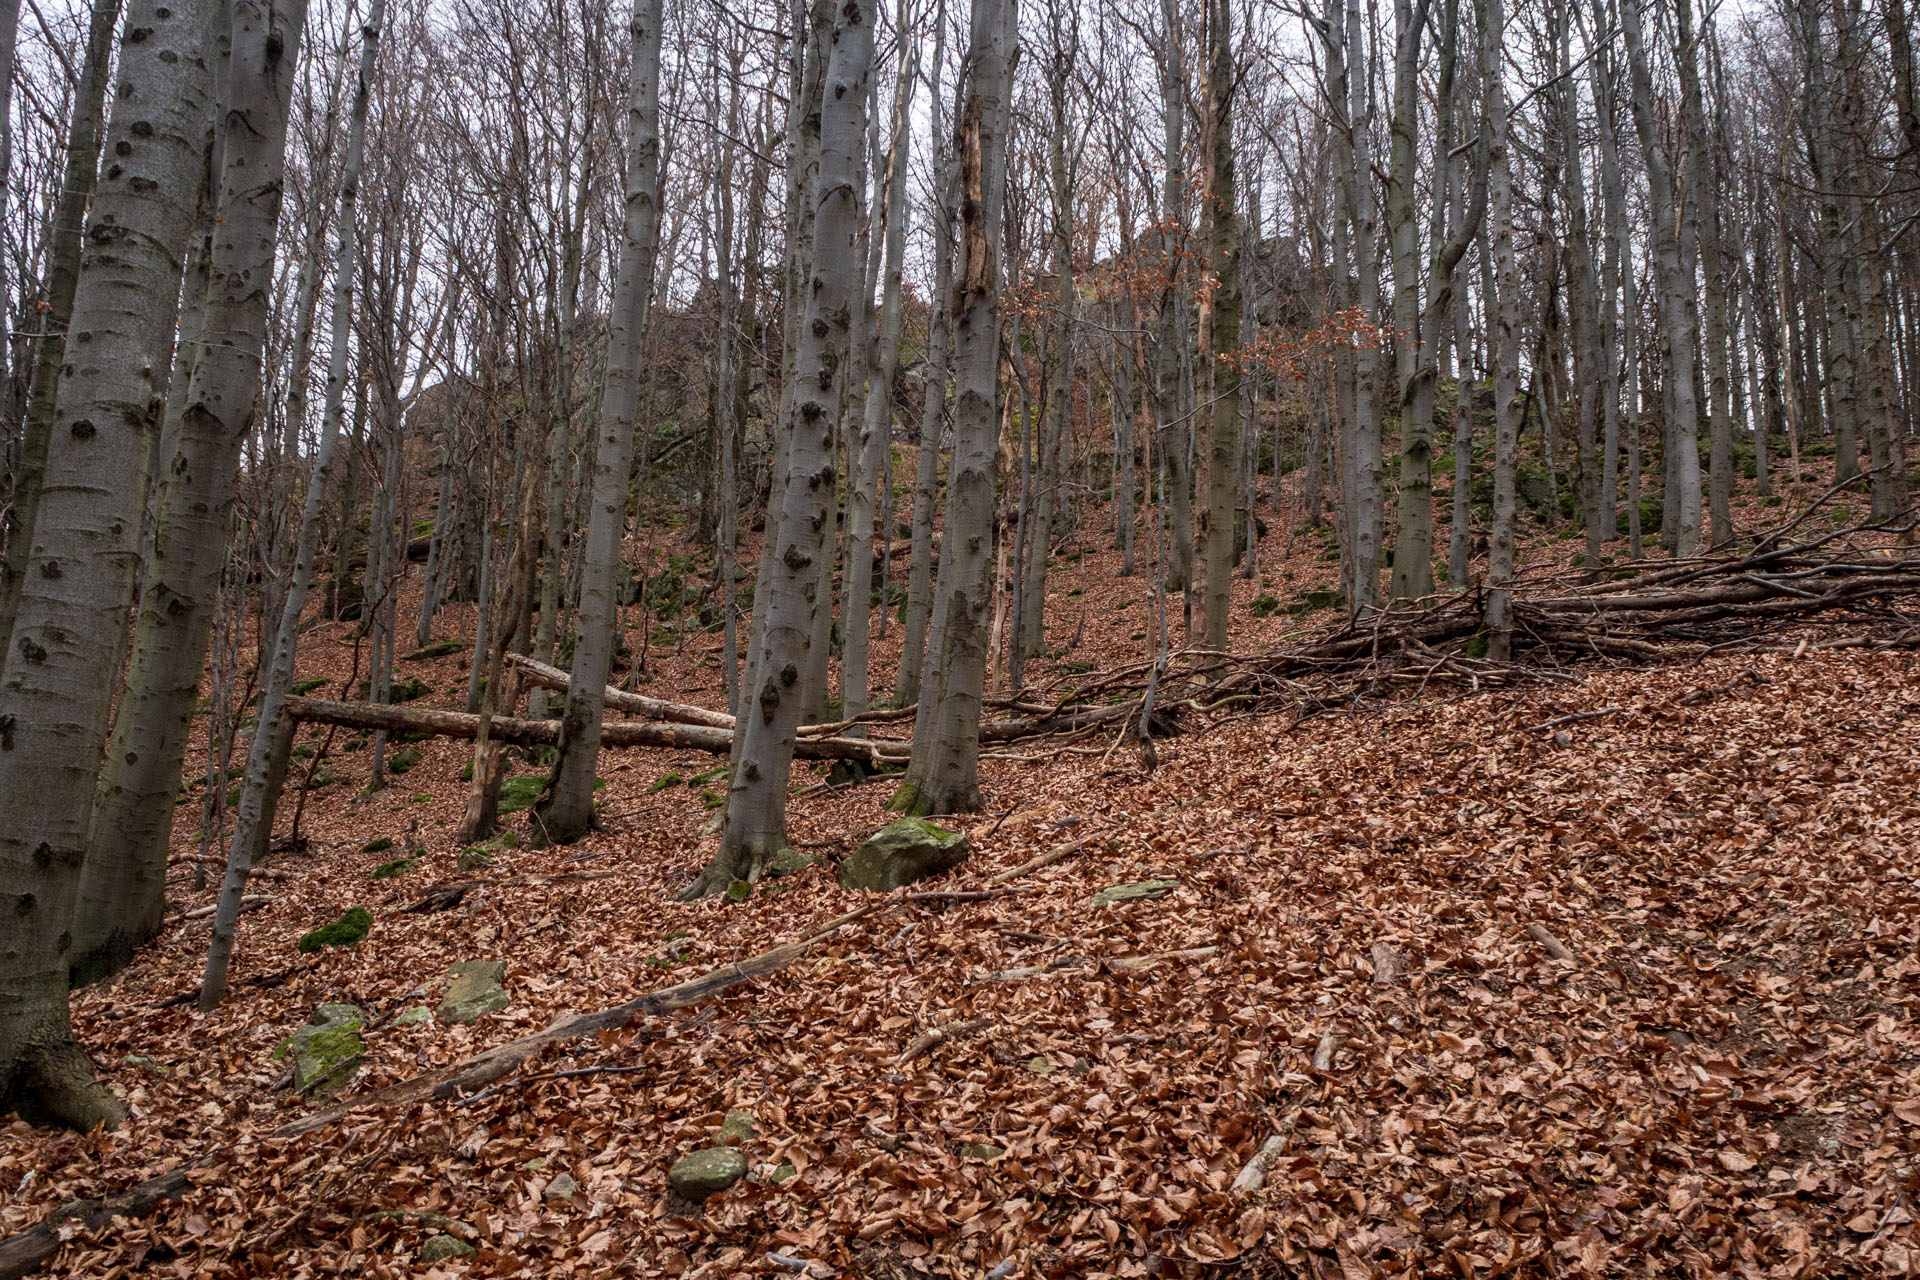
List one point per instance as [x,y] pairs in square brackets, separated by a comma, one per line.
[782,1171]
[442,1247]
[1040,1065]
[738,1127]
[474,992]
[475,859]
[706,1172]
[901,853]
[413,1017]
[326,1052]
[1115,894]
[788,861]
[981,1151]
[563,1187]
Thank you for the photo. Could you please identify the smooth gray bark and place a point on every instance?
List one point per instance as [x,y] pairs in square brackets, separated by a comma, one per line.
[121,894]
[565,812]
[276,679]
[55,696]
[755,827]
[943,776]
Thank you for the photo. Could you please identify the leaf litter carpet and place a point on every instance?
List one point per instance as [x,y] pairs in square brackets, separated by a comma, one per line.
[1720,1076]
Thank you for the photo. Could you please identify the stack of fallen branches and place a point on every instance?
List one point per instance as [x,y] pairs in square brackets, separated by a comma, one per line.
[1861,580]
[1864,576]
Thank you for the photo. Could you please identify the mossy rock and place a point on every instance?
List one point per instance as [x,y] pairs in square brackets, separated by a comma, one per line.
[302,688]
[903,852]
[393,870]
[403,760]
[1265,606]
[665,780]
[474,859]
[1143,891]
[326,1052]
[440,1248]
[518,794]
[703,778]
[379,844]
[474,992]
[1651,513]
[706,1172]
[439,649]
[347,931]
[788,861]
[739,1127]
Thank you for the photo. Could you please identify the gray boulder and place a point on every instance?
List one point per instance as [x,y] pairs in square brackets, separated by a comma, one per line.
[901,853]
[442,1247]
[474,992]
[326,1052]
[706,1172]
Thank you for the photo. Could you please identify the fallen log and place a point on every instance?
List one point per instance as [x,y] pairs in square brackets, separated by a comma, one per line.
[407,718]
[1049,721]
[24,1253]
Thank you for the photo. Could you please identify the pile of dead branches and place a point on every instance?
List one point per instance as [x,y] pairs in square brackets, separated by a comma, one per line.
[1856,583]
[1860,580]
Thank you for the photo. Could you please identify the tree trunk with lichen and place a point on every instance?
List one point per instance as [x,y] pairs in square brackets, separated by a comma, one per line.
[54,701]
[565,812]
[121,899]
[944,775]
[784,636]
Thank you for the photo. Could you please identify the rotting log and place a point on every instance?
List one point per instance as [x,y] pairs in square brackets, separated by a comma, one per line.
[1045,723]
[533,733]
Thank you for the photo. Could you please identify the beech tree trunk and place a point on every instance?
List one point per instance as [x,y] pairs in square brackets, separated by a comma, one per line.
[1682,507]
[64,247]
[944,775]
[56,692]
[1223,338]
[878,362]
[1505,313]
[566,810]
[784,637]
[276,680]
[122,883]
[933,410]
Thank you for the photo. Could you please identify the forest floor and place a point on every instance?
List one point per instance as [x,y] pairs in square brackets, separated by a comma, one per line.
[1721,1077]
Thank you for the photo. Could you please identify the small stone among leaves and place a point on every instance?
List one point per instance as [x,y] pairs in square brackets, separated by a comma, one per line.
[706,1172]
[440,1248]
[1144,891]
